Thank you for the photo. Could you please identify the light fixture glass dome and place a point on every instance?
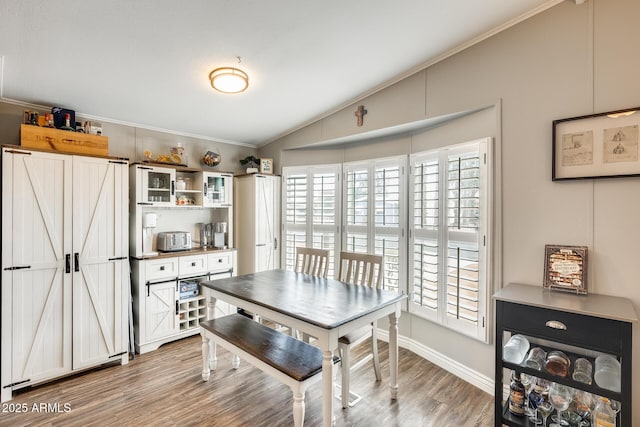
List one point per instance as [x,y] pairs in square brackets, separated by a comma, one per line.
[229,80]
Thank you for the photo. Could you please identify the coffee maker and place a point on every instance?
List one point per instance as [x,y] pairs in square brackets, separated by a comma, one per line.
[206,234]
[220,235]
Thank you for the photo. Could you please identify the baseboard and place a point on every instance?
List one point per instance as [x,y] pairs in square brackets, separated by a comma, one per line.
[475,378]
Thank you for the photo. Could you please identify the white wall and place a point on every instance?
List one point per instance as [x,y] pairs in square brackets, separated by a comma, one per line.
[568,61]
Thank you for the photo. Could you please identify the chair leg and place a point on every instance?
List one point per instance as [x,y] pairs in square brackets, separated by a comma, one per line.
[345,362]
[374,351]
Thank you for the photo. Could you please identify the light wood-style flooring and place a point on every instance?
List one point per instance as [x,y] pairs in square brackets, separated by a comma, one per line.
[164,388]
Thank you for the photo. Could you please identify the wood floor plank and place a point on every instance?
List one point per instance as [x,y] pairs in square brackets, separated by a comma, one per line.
[164,388]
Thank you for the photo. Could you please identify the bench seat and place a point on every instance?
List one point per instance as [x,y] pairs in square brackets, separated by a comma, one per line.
[292,362]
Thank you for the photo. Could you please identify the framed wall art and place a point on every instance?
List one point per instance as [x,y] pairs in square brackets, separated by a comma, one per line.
[601,145]
[266,166]
[565,268]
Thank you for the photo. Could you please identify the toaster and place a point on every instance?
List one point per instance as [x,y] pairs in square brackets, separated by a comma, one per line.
[169,241]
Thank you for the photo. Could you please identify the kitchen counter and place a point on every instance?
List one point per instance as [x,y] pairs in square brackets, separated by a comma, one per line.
[193,251]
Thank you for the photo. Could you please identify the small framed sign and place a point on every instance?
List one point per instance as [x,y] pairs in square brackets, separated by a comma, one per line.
[565,268]
[266,165]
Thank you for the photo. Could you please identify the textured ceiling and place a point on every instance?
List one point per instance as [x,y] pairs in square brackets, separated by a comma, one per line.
[146,62]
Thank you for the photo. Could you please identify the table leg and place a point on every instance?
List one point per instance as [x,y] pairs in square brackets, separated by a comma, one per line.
[393,355]
[211,308]
[206,371]
[327,388]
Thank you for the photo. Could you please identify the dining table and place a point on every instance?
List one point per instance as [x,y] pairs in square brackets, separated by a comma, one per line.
[323,308]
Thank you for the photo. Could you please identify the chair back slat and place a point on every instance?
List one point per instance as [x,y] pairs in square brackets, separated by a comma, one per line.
[361,269]
[312,261]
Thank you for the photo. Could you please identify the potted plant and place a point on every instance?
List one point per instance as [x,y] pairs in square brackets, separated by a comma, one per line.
[251,163]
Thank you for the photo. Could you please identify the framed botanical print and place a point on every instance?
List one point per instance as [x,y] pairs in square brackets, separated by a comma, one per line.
[603,145]
[266,165]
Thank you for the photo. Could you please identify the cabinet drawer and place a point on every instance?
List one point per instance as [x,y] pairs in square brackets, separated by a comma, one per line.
[163,268]
[583,331]
[220,261]
[190,265]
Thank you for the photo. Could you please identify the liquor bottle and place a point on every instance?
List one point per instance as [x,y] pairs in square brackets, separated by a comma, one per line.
[603,414]
[516,395]
[48,119]
[67,123]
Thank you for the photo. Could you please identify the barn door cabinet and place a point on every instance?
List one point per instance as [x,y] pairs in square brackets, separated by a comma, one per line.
[581,326]
[257,210]
[64,265]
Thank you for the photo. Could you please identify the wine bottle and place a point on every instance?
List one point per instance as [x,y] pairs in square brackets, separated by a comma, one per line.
[67,123]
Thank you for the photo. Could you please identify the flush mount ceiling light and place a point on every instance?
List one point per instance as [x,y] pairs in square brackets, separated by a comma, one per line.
[229,80]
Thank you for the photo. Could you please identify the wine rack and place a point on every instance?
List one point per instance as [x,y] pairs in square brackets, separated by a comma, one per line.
[191,312]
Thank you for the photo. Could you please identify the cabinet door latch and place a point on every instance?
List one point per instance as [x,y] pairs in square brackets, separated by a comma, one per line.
[21,267]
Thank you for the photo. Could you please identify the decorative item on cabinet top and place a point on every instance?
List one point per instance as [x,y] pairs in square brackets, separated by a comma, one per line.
[251,163]
[175,157]
[211,159]
[266,166]
[565,268]
[46,138]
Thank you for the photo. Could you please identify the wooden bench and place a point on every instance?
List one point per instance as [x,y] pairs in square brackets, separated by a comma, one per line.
[292,362]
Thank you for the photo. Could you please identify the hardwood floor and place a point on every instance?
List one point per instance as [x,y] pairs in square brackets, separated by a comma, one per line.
[164,388]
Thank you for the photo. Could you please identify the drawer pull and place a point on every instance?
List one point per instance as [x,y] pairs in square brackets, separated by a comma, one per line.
[162,268]
[193,264]
[556,325]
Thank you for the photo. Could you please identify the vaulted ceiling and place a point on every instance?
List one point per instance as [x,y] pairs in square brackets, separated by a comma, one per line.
[147,62]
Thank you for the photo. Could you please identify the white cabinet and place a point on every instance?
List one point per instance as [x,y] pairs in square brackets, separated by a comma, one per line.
[155,185]
[185,198]
[257,209]
[217,189]
[159,310]
[64,265]
[160,314]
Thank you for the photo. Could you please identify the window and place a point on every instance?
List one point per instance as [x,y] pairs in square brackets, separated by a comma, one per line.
[444,203]
[311,213]
[374,214]
[449,231]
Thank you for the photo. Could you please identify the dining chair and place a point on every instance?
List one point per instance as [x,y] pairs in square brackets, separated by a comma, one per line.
[312,261]
[364,270]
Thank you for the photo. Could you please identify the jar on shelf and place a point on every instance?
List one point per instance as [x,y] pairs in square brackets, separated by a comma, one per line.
[181,184]
[557,363]
[515,349]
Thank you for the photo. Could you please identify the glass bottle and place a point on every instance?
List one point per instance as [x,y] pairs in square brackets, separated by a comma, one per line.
[603,415]
[516,395]
[67,123]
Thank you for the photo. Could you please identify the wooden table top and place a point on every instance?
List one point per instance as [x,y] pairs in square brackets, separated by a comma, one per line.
[326,303]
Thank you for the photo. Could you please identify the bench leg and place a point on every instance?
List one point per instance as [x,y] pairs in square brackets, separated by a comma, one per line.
[298,404]
[206,372]
[235,361]
[213,355]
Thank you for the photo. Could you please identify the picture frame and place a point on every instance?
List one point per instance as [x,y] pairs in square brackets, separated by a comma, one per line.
[603,145]
[565,268]
[266,166]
